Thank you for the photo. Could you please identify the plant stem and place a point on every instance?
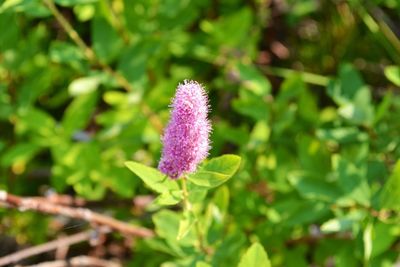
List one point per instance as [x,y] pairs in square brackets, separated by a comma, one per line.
[308,77]
[186,202]
[189,208]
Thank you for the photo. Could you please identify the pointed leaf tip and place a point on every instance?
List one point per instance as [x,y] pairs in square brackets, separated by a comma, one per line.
[216,171]
[255,256]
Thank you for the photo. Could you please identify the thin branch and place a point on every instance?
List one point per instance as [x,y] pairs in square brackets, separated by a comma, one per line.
[308,77]
[43,206]
[78,261]
[52,245]
[62,199]
[91,56]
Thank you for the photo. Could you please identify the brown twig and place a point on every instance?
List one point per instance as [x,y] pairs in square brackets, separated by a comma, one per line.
[78,261]
[62,199]
[91,56]
[27,203]
[49,246]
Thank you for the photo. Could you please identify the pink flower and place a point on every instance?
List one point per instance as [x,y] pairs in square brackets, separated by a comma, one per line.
[186,137]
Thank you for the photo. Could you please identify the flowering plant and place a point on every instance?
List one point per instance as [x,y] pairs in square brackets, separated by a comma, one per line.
[186,144]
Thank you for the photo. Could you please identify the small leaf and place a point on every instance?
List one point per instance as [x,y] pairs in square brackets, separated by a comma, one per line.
[106,42]
[314,188]
[152,177]
[251,105]
[33,8]
[167,226]
[83,85]
[78,113]
[255,256]
[217,171]
[393,74]
[36,121]
[367,239]
[391,191]
[65,53]
[337,225]
[352,180]
[21,152]
[185,225]
[253,79]
[342,135]
[168,198]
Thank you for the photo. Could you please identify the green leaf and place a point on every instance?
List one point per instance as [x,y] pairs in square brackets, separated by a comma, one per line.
[19,155]
[221,199]
[314,188]
[253,79]
[383,236]
[393,74]
[251,105]
[34,8]
[136,58]
[65,53]
[342,135]
[216,172]
[337,225]
[255,256]
[367,240]
[168,198]
[227,253]
[152,177]
[352,95]
[347,85]
[106,42]
[303,212]
[259,135]
[352,180]
[83,85]
[36,121]
[383,107]
[78,113]
[185,224]
[167,226]
[230,30]
[391,191]
[360,109]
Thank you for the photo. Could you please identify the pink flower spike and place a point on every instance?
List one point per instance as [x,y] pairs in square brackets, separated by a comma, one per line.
[186,137]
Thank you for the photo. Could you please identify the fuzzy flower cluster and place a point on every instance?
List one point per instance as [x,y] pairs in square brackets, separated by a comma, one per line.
[186,137]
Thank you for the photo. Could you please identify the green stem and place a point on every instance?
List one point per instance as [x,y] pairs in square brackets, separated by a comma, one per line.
[189,208]
[308,77]
[188,205]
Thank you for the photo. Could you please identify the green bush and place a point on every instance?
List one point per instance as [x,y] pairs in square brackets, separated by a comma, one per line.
[305,92]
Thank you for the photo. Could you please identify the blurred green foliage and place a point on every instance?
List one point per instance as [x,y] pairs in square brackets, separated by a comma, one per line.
[306,92]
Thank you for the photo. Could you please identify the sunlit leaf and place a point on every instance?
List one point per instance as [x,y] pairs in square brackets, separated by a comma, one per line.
[216,171]
[255,256]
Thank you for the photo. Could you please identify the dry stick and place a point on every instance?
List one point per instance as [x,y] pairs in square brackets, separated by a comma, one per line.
[78,261]
[49,246]
[77,213]
[91,56]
